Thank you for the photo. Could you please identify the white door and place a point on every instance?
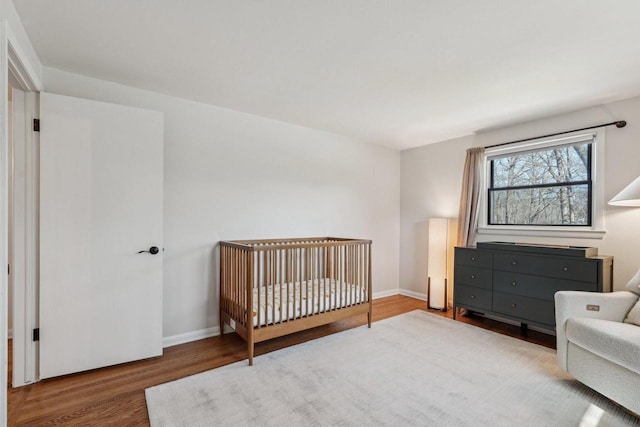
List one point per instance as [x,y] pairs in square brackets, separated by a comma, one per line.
[101,169]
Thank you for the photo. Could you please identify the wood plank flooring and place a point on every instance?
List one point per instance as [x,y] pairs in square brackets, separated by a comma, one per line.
[115,395]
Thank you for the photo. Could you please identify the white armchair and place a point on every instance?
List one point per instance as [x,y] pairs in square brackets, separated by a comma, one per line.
[596,347]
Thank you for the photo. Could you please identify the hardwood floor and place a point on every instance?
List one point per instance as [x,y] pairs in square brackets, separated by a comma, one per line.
[115,395]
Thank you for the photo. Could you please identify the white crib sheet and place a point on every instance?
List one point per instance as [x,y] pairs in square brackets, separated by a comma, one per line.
[300,299]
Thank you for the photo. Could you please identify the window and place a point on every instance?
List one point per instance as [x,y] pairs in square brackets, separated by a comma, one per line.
[551,186]
[546,186]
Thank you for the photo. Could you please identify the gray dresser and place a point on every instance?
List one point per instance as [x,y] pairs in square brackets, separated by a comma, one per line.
[518,282]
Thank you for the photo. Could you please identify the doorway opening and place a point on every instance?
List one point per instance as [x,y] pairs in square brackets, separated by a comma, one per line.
[22,233]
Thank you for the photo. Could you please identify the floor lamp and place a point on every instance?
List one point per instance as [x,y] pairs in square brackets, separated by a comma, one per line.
[441,241]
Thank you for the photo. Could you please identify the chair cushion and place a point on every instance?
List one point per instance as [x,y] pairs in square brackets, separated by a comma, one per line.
[615,341]
[634,284]
[633,316]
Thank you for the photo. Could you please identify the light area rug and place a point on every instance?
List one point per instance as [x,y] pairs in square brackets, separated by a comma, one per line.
[416,369]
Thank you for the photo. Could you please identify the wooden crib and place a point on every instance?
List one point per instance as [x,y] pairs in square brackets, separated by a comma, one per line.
[271,288]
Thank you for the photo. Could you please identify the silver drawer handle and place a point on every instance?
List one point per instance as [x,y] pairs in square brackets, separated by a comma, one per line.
[473,258]
[514,283]
[565,268]
[514,263]
[513,305]
[473,276]
[472,296]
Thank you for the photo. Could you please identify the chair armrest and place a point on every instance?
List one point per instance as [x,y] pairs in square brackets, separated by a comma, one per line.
[611,306]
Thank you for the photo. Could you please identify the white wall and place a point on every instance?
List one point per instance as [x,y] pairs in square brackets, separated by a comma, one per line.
[230,175]
[431,181]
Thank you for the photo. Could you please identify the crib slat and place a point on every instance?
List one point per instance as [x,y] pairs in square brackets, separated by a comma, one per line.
[295,279]
[222,294]
[357,268]
[352,281]
[369,290]
[360,275]
[288,268]
[307,277]
[241,290]
[336,277]
[347,283]
[300,260]
[237,284]
[245,287]
[280,280]
[262,286]
[232,312]
[344,275]
[364,265]
[313,280]
[336,285]
[232,272]
[316,281]
[324,279]
[231,285]
[249,304]
[272,283]
[265,289]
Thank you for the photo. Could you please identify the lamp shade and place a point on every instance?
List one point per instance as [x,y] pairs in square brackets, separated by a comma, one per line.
[442,236]
[629,196]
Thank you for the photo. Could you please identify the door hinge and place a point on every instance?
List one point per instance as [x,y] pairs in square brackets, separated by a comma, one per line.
[36,334]
[36,125]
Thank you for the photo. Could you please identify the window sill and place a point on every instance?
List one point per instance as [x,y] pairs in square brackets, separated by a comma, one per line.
[557,232]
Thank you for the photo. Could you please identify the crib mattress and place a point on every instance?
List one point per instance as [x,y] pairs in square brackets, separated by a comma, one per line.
[303,298]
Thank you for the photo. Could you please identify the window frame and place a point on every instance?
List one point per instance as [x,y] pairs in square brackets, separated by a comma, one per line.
[596,203]
[491,188]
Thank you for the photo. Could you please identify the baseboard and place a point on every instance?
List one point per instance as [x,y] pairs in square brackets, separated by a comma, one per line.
[398,291]
[214,331]
[194,336]
[200,334]
[412,294]
[384,294]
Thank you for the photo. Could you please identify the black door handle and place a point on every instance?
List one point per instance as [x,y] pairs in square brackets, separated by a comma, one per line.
[152,250]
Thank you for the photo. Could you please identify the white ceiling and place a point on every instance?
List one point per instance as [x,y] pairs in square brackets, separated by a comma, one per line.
[400,73]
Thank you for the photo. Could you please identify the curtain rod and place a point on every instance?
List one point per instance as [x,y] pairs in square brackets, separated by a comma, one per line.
[619,124]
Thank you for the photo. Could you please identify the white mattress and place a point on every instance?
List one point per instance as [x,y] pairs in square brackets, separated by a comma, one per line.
[302,298]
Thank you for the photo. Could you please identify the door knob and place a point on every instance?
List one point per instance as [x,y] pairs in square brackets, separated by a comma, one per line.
[152,250]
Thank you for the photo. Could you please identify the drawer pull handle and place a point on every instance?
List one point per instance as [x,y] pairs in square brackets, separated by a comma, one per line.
[565,268]
[514,263]
[513,305]
[473,258]
[473,276]
[514,283]
[472,296]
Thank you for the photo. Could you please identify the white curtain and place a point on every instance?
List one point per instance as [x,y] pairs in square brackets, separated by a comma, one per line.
[472,187]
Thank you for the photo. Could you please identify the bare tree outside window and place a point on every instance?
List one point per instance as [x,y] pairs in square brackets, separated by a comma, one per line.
[545,187]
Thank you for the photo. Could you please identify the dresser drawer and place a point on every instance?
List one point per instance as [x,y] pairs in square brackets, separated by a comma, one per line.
[525,308]
[562,268]
[473,258]
[473,276]
[473,297]
[536,286]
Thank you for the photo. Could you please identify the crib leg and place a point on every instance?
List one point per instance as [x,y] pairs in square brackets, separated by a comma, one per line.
[250,349]
[221,324]
[369,319]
